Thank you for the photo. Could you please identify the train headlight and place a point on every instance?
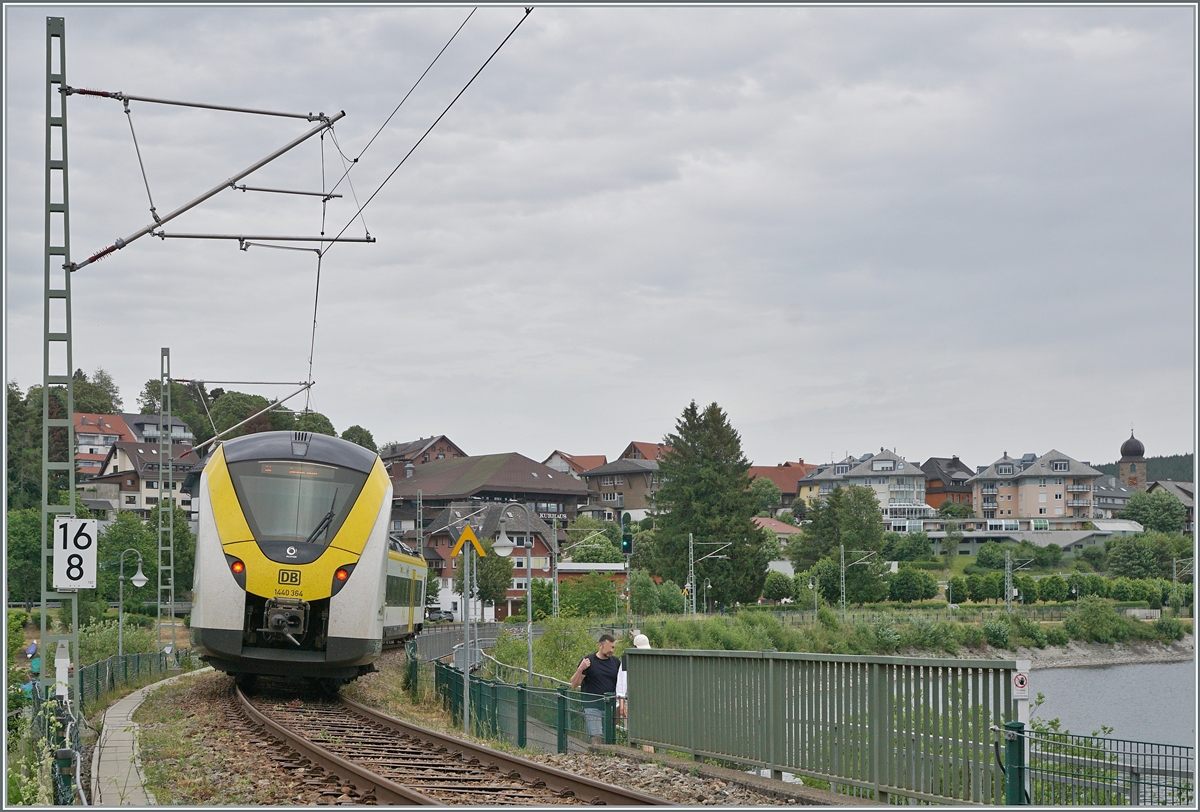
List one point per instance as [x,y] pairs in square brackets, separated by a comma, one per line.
[238,568]
[340,576]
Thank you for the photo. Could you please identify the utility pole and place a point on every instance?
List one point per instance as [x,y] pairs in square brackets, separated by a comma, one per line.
[58,432]
[166,497]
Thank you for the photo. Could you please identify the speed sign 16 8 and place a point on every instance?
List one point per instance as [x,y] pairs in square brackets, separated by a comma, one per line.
[74,553]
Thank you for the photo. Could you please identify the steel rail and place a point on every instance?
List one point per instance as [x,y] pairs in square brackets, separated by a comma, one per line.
[385,790]
[554,779]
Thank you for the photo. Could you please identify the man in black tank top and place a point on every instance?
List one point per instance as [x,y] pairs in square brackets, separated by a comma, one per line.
[597,675]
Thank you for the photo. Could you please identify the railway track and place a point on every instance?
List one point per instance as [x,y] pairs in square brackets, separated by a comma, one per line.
[388,761]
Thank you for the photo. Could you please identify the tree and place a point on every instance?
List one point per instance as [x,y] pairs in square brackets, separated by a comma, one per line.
[767,495]
[1156,510]
[956,510]
[316,423]
[957,590]
[128,530]
[1027,586]
[593,595]
[24,436]
[1131,557]
[433,587]
[991,556]
[706,492]
[907,547]
[22,550]
[787,517]
[92,398]
[360,436]
[1053,589]
[950,544]
[493,574]
[598,541]
[643,593]
[777,587]
[670,598]
[905,585]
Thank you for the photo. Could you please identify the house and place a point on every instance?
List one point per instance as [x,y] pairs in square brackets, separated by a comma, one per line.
[145,429]
[420,491]
[899,487]
[820,483]
[1184,492]
[645,451]
[626,485]
[94,436]
[1109,497]
[782,530]
[946,481]
[786,476]
[129,478]
[418,452]
[574,464]
[1052,489]
[484,518]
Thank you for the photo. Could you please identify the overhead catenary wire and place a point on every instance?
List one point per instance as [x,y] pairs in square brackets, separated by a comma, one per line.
[435,123]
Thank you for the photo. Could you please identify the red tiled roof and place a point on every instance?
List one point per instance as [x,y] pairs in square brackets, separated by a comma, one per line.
[87,423]
[786,475]
[648,451]
[580,462]
[775,526]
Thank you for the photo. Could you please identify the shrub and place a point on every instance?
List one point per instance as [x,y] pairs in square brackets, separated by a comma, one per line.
[970,635]
[827,618]
[99,640]
[996,630]
[1096,621]
[1057,636]
[1029,631]
[1169,628]
[887,639]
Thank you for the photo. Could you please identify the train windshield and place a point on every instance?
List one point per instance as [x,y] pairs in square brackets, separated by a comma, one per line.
[295,502]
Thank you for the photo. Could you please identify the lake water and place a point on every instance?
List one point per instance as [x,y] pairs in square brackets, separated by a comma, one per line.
[1152,702]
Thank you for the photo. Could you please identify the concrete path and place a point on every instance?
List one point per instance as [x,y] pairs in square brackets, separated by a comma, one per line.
[117,778]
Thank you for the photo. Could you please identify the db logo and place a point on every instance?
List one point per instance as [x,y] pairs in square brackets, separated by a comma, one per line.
[289,577]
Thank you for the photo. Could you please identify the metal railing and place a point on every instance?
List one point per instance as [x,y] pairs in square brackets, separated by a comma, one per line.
[549,719]
[1064,769]
[881,727]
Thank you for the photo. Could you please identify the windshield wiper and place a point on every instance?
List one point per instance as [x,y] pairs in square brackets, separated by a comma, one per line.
[322,525]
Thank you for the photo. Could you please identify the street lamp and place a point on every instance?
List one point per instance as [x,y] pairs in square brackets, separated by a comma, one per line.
[813,587]
[139,580]
[707,586]
[504,547]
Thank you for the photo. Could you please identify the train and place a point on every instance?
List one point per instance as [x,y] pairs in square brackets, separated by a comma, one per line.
[296,572]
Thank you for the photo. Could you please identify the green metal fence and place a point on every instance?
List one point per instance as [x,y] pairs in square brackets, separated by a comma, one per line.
[1061,769]
[542,718]
[889,728]
[99,679]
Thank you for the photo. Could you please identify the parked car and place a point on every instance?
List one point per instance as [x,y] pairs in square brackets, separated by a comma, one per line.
[437,615]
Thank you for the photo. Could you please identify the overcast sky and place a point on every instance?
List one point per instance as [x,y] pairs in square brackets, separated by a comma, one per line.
[940,230]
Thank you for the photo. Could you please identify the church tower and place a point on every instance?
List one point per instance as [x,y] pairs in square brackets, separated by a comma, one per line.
[1131,468]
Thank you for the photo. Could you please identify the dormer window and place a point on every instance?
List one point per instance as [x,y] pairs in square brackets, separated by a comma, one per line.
[841,469]
[1060,465]
[1004,469]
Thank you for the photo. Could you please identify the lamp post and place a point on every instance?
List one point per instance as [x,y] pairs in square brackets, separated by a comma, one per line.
[504,548]
[707,586]
[813,587]
[139,580]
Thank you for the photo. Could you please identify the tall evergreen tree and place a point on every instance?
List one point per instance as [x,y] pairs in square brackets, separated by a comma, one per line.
[706,492]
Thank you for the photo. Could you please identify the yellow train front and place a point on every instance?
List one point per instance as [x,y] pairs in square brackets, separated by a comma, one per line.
[293,559]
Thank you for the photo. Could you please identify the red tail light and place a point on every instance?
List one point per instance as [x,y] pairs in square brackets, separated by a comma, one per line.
[342,574]
[238,567]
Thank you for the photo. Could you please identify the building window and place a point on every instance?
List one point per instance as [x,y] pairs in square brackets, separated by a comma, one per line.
[1041,511]
[606,480]
[1060,465]
[151,485]
[151,500]
[989,514]
[841,469]
[1058,496]
[131,500]
[1041,524]
[608,496]
[1042,482]
[619,479]
[1004,469]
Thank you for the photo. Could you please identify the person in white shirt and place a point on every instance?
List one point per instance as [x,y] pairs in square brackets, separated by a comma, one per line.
[639,641]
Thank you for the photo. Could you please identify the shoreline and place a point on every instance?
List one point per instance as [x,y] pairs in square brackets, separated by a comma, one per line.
[1078,655]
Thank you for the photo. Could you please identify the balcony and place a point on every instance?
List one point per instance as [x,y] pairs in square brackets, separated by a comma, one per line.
[1079,503]
[1075,488]
[988,489]
[989,503]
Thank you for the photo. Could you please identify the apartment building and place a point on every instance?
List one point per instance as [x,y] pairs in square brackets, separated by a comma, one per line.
[622,486]
[1050,490]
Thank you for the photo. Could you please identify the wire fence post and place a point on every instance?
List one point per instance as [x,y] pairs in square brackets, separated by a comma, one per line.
[522,714]
[562,720]
[1014,763]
